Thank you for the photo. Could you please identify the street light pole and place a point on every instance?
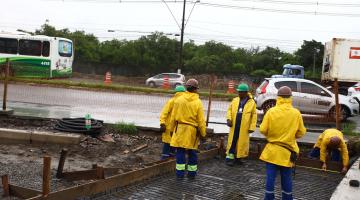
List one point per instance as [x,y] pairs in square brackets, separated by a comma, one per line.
[182,39]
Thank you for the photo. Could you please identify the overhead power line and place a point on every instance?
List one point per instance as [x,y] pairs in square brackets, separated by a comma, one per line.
[309,3]
[215,5]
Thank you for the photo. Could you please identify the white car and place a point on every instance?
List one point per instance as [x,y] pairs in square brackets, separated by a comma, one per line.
[175,79]
[308,96]
[354,89]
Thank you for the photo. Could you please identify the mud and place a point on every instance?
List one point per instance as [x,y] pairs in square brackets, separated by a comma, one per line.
[23,162]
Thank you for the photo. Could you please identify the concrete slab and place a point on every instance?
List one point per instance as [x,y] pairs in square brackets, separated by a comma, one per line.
[15,135]
[7,112]
[344,191]
[310,137]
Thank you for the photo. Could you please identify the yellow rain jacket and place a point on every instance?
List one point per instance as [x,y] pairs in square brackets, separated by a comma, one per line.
[165,117]
[281,125]
[324,139]
[187,121]
[248,122]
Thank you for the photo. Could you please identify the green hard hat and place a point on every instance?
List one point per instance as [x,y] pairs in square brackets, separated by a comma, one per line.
[243,87]
[180,88]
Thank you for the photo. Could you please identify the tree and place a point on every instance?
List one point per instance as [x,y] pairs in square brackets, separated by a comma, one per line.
[306,53]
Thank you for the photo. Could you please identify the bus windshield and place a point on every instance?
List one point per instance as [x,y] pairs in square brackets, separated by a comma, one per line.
[65,48]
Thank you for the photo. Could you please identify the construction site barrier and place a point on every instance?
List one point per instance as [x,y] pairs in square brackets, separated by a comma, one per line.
[107,78]
[231,87]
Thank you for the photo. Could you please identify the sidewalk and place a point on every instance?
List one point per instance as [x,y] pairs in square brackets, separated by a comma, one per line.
[344,190]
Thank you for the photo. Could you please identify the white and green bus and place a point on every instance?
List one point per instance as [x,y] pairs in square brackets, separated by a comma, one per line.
[37,56]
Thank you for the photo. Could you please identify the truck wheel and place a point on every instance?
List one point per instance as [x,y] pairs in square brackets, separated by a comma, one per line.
[267,105]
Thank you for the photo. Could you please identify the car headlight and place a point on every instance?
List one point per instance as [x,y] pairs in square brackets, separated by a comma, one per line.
[353,101]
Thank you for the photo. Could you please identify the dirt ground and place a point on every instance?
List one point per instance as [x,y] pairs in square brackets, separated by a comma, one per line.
[23,162]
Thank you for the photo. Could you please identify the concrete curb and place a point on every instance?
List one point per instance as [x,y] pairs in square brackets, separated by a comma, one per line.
[344,190]
[16,135]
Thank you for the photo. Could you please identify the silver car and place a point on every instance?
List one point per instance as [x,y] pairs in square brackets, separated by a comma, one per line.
[308,96]
[175,79]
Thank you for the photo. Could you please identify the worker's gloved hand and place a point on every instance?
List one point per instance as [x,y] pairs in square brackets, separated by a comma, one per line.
[229,123]
[323,167]
[162,128]
[344,170]
[250,131]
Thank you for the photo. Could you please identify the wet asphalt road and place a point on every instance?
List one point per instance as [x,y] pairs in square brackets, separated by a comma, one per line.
[143,110]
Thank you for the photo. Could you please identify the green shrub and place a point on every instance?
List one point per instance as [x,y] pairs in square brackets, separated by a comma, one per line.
[348,129]
[125,128]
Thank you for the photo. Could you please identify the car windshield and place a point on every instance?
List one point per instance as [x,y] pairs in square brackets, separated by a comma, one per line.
[286,71]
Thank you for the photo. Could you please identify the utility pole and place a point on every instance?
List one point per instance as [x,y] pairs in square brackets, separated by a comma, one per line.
[182,39]
[314,63]
[315,52]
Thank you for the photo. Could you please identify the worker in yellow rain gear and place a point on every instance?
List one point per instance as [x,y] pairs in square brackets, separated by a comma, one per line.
[331,142]
[188,125]
[281,126]
[241,118]
[165,116]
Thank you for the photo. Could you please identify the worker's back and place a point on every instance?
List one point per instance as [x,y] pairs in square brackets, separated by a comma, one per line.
[281,126]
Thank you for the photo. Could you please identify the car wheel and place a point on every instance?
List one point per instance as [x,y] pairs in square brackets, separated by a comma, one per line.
[152,84]
[344,113]
[267,105]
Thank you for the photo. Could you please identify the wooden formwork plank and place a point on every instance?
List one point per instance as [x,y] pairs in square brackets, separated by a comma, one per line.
[121,179]
[22,192]
[330,165]
[80,175]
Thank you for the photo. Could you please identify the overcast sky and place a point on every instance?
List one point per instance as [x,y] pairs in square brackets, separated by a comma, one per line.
[238,23]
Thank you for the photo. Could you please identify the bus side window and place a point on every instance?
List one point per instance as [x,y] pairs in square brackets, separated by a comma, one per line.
[46,49]
[30,47]
[8,45]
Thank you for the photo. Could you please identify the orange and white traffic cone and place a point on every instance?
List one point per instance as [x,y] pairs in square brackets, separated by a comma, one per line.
[107,78]
[166,84]
[231,87]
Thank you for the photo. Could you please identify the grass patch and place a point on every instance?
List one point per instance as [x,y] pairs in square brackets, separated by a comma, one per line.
[348,129]
[125,128]
[113,87]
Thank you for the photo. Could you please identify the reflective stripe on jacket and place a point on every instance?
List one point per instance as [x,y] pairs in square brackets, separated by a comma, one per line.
[281,124]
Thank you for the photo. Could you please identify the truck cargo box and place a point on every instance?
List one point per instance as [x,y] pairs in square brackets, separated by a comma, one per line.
[341,60]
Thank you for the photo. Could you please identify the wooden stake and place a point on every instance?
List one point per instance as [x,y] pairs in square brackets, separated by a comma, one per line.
[337,106]
[5,183]
[6,82]
[139,148]
[212,82]
[46,176]
[100,172]
[61,163]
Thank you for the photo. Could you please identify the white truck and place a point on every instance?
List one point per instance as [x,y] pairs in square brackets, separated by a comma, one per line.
[341,61]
